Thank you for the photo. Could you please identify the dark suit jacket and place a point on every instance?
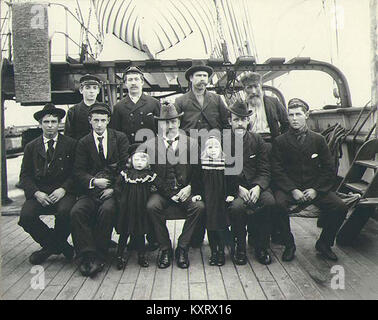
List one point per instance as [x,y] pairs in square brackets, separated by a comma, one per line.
[213,114]
[88,163]
[77,124]
[297,166]
[36,176]
[256,165]
[129,117]
[276,116]
[186,172]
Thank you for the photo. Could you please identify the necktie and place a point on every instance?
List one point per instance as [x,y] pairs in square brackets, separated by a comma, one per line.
[50,150]
[101,149]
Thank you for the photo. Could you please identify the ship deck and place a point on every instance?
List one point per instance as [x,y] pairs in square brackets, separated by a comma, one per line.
[308,276]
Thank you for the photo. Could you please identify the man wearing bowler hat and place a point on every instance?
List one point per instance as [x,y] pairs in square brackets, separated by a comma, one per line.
[137,110]
[46,177]
[202,110]
[174,158]
[255,199]
[77,125]
[100,156]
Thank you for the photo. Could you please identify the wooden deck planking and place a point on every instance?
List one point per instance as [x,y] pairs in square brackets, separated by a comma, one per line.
[306,277]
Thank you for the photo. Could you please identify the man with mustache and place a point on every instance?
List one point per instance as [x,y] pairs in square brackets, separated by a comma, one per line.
[134,112]
[170,153]
[202,110]
[254,197]
[137,110]
[77,125]
[303,172]
[269,119]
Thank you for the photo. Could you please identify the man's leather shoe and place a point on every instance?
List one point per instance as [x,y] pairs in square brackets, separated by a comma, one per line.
[121,263]
[95,267]
[164,259]
[263,256]
[213,260]
[84,267]
[142,260]
[240,257]
[288,253]
[40,256]
[182,259]
[325,250]
[221,259]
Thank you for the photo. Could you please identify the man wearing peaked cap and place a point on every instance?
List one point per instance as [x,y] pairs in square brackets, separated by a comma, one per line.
[135,112]
[269,117]
[46,177]
[100,156]
[254,193]
[77,125]
[203,110]
[303,172]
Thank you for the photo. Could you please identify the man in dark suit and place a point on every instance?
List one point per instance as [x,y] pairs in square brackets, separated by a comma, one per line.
[269,119]
[202,110]
[100,156]
[46,177]
[171,153]
[77,125]
[254,198]
[303,172]
[137,110]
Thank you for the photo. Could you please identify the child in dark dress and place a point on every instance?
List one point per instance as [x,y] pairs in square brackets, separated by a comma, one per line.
[217,190]
[133,189]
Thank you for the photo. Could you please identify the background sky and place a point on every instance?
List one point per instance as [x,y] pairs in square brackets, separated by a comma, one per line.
[288,29]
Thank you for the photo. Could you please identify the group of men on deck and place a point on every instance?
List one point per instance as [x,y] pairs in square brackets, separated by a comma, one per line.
[283,163]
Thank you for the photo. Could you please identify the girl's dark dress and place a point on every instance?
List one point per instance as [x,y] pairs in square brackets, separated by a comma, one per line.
[134,189]
[216,186]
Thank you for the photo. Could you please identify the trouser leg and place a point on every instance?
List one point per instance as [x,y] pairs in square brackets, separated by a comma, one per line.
[83,217]
[281,213]
[212,238]
[62,227]
[334,211]
[155,208]
[194,212]
[238,217]
[30,221]
[104,226]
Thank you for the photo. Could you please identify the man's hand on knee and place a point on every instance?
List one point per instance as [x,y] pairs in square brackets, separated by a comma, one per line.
[243,194]
[254,194]
[42,198]
[57,194]
[106,194]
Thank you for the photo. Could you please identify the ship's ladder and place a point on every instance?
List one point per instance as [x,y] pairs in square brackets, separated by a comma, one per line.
[361,178]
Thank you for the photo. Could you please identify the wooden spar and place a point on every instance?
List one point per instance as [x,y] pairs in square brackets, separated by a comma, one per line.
[374,57]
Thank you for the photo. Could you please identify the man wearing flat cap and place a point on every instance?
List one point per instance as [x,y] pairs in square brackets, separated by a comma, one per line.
[303,171]
[269,117]
[137,110]
[46,177]
[77,125]
[100,156]
[255,199]
[171,153]
[202,110]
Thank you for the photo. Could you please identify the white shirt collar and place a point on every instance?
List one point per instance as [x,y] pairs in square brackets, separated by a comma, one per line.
[105,135]
[46,140]
[135,99]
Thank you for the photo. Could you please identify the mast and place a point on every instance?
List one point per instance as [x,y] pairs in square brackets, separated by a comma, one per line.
[374,58]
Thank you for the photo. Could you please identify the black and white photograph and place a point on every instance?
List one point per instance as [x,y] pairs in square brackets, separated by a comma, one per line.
[187,155]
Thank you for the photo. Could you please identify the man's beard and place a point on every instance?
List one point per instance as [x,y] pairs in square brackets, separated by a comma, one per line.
[254,100]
